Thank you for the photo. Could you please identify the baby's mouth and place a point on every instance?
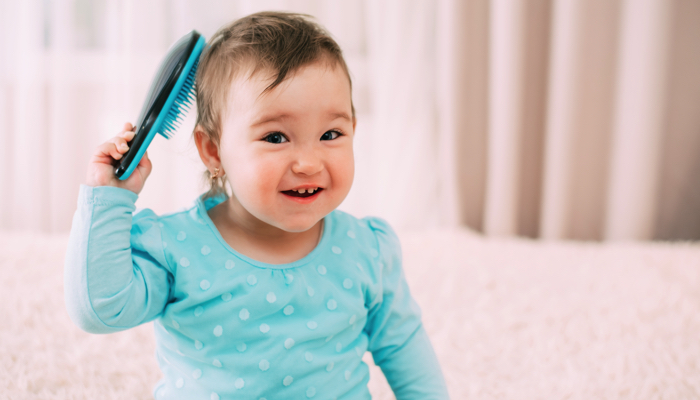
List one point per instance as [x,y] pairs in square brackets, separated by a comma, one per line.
[302,192]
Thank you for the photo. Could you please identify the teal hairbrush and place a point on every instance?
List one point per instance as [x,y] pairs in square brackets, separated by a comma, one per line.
[171,95]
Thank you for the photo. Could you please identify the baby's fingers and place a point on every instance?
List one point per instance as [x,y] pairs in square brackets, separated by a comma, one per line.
[109,150]
[120,147]
[127,134]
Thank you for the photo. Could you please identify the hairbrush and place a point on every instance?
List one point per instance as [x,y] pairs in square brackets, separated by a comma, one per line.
[170,96]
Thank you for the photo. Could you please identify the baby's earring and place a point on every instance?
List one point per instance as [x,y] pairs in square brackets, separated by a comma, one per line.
[214,175]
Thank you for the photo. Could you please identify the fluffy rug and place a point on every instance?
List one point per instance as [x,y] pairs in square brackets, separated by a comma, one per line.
[509,319]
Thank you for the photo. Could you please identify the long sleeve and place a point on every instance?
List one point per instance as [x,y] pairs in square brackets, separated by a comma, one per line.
[116,275]
[398,342]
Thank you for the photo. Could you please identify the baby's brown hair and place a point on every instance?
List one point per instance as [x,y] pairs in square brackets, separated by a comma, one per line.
[266,41]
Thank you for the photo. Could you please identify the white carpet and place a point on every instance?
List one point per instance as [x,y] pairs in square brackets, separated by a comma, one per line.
[509,319]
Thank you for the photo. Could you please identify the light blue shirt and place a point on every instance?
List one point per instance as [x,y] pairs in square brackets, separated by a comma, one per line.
[228,326]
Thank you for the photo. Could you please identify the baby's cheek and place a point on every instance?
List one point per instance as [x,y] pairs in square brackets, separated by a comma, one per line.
[264,179]
[249,179]
[344,171]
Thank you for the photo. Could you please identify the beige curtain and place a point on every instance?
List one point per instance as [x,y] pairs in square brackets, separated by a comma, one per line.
[544,118]
[574,119]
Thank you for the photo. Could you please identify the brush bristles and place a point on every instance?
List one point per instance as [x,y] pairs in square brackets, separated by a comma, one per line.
[182,104]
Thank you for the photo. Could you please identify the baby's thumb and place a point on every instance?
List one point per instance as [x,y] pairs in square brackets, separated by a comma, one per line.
[145,166]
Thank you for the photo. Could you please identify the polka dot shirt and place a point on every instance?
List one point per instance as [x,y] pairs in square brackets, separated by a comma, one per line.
[228,326]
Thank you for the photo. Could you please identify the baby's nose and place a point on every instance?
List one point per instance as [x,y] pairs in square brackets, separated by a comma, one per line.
[307,164]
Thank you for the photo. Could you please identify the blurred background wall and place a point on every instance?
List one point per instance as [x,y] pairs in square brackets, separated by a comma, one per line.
[555,119]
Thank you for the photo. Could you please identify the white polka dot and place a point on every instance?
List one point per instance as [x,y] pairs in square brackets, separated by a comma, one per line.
[358,351]
[264,365]
[287,380]
[244,314]
[161,225]
[198,311]
[321,269]
[336,249]
[241,347]
[198,345]
[218,330]
[308,357]
[204,284]
[239,383]
[179,383]
[310,291]
[216,363]
[311,392]
[229,264]
[359,266]
[347,375]
[289,343]
[271,298]
[347,283]
[352,319]
[205,250]
[338,347]
[165,245]
[330,366]
[197,373]
[374,253]
[264,328]
[214,396]
[176,325]
[288,279]
[184,262]
[332,304]
[252,280]
[181,236]
[289,310]
[226,297]
[195,216]
[351,234]
[380,265]
[312,325]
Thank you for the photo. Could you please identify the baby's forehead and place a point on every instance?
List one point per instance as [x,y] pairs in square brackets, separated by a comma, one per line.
[258,73]
[253,83]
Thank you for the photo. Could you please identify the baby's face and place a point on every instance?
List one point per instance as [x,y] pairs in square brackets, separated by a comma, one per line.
[296,137]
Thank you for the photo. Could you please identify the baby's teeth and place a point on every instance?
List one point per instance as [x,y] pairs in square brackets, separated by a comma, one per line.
[311,190]
[302,191]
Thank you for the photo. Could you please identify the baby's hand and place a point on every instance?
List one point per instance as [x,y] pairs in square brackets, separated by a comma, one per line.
[101,171]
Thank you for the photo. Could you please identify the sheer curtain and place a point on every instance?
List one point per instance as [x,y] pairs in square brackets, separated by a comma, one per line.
[571,119]
[543,118]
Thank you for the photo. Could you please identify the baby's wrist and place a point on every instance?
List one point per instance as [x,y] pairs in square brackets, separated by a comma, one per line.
[108,194]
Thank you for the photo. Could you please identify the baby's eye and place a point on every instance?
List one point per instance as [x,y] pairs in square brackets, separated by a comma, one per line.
[275,137]
[330,135]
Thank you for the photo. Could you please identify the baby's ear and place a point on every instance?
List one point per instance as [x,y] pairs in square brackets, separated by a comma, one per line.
[208,149]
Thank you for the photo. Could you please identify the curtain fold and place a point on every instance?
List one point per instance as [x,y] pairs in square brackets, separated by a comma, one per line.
[579,110]
[553,119]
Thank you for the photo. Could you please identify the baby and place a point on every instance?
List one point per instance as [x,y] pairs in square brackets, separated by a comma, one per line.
[262,289]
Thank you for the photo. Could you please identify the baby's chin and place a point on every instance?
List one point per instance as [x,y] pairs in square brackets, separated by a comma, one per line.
[298,228]
[299,225]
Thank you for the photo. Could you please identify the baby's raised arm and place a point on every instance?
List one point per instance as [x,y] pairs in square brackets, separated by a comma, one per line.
[116,275]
